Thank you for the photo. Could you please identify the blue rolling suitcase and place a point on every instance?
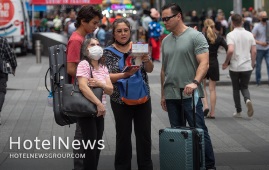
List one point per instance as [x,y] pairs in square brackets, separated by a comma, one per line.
[182,148]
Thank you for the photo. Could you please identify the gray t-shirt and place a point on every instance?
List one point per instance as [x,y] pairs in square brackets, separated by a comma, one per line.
[179,60]
[259,31]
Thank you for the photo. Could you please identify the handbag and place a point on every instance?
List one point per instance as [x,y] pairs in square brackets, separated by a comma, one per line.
[76,104]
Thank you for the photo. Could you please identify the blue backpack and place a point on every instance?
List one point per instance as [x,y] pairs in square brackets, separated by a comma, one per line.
[133,90]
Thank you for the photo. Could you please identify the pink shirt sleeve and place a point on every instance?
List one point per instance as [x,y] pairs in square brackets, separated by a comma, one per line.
[83,69]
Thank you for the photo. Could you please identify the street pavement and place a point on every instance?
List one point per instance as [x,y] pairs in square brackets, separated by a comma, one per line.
[239,143]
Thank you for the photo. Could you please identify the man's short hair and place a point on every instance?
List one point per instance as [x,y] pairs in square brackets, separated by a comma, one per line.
[237,20]
[175,8]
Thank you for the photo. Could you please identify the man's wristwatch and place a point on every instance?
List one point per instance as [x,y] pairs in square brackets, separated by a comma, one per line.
[196,82]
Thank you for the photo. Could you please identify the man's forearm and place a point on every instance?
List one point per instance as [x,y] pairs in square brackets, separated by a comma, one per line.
[201,71]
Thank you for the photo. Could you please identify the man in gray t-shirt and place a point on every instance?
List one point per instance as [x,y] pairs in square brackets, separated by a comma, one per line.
[259,32]
[184,64]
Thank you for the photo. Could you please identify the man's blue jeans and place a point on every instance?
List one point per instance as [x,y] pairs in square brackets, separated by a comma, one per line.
[174,113]
[260,55]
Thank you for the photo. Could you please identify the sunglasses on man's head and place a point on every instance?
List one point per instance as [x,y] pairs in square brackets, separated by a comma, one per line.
[168,18]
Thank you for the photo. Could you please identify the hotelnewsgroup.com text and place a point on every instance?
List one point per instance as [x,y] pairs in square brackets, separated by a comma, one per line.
[45,155]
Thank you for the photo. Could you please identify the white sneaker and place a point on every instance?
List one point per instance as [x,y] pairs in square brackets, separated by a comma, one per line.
[237,114]
[250,108]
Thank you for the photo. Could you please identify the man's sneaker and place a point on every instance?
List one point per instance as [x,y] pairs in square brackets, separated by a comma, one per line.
[250,108]
[237,114]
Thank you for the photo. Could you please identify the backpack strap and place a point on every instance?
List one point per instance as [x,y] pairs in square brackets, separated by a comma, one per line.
[118,53]
[113,50]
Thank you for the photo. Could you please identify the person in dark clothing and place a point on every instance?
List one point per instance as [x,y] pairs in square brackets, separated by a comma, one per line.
[8,65]
[203,18]
[215,41]
[194,19]
[218,27]
[247,25]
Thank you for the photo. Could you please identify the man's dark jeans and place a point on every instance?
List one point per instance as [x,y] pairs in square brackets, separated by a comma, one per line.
[174,113]
[240,81]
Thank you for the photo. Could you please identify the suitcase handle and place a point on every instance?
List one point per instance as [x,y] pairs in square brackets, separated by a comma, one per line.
[183,121]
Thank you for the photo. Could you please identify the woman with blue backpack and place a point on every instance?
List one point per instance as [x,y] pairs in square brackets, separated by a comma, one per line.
[124,87]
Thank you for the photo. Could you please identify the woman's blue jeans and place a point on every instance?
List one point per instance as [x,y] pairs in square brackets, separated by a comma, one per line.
[174,113]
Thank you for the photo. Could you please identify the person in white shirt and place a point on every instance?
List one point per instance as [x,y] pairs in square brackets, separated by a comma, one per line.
[240,58]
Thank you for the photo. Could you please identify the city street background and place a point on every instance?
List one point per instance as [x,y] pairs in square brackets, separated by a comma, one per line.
[239,143]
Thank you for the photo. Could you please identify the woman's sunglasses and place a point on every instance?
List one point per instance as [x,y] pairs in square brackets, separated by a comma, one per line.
[168,18]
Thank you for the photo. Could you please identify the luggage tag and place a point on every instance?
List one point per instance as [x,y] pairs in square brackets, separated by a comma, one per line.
[50,99]
[196,97]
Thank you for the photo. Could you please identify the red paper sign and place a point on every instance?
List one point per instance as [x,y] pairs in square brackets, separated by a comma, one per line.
[6,12]
[69,2]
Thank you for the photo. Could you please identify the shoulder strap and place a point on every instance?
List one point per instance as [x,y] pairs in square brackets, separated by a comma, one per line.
[118,53]
[113,50]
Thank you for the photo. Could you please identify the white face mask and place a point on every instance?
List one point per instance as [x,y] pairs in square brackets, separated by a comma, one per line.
[95,52]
